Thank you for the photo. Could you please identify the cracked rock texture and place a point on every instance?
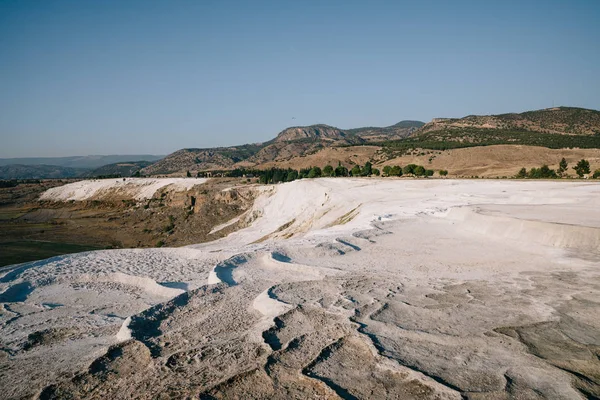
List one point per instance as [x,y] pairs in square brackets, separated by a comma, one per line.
[337,288]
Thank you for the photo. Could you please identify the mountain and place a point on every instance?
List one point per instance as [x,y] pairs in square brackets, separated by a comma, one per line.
[558,120]
[121,169]
[351,136]
[313,132]
[557,128]
[201,159]
[19,171]
[297,141]
[93,161]
[398,131]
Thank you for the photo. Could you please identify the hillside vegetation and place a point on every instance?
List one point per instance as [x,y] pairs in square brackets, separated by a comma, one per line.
[123,169]
[558,120]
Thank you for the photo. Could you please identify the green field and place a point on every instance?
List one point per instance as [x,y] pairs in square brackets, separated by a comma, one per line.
[20,251]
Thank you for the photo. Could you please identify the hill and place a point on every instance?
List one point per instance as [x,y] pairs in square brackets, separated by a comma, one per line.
[18,171]
[124,169]
[289,144]
[313,132]
[555,128]
[92,161]
[398,131]
[558,120]
[202,159]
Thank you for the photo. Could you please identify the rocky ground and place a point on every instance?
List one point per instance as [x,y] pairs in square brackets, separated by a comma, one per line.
[331,288]
[169,216]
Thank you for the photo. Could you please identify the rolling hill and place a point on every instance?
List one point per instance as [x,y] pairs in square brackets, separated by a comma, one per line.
[121,169]
[18,171]
[293,142]
[558,120]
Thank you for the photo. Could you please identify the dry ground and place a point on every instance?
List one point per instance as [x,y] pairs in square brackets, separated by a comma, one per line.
[483,161]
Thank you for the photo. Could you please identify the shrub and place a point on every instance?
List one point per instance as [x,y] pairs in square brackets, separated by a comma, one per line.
[160,243]
[596,174]
[328,170]
[522,174]
[386,170]
[443,172]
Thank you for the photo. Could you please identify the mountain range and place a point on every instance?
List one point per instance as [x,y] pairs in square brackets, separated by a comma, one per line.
[37,170]
[87,162]
[302,146]
[559,127]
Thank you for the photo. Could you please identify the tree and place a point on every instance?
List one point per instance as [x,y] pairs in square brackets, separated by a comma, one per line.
[396,171]
[355,171]
[428,172]
[419,170]
[340,170]
[582,168]
[188,174]
[546,172]
[303,173]
[562,166]
[376,172]
[328,170]
[277,176]
[409,169]
[540,173]
[292,175]
[443,172]
[368,169]
[314,172]
[522,174]
[534,173]
[386,170]
[596,174]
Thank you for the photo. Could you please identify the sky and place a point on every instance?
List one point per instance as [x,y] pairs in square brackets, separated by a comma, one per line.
[150,77]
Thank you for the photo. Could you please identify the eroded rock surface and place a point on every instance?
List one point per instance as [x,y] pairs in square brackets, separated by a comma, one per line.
[420,294]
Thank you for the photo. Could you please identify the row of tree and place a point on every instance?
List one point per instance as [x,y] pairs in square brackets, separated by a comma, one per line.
[276,175]
[581,168]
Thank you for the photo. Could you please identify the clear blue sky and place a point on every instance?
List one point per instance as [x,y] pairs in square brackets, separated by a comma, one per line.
[121,77]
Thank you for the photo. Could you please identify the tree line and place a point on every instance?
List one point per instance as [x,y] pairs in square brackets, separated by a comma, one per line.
[544,172]
[276,175]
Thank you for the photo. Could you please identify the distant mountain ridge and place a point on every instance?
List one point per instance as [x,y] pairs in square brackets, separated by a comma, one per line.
[292,142]
[124,169]
[547,127]
[559,127]
[91,161]
[19,171]
[557,120]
